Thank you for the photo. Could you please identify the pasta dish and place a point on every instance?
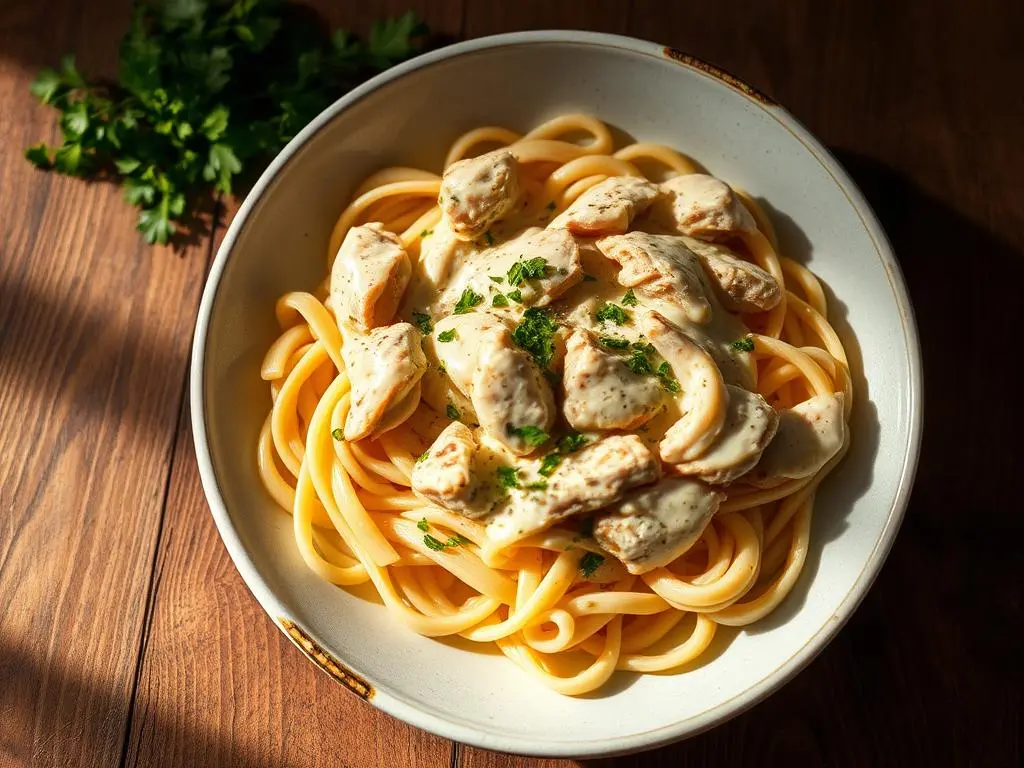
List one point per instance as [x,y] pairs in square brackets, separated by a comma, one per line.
[566,398]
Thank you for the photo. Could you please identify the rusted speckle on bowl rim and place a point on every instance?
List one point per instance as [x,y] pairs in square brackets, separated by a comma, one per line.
[326,662]
[725,77]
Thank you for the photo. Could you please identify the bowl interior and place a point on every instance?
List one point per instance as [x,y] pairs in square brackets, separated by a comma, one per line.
[279,243]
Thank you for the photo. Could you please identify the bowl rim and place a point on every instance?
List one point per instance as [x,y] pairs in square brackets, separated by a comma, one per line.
[392,702]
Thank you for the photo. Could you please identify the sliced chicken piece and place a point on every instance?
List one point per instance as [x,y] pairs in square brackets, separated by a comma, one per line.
[607,208]
[704,398]
[510,395]
[440,253]
[447,476]
[702,206]
[585,481]
[653,526]
[540,264]
[461,355]
[601,392]
[750,424]
[505,387]
[477,191]
[369,276]
[660,267]
[385,367]
[742,286]
[809,435]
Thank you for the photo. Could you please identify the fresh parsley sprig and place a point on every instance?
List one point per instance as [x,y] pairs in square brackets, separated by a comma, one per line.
[207,90]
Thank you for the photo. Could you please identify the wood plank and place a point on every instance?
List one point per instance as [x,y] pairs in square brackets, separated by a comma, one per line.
[219,683]
[222,686]
[94,328]
[490,18]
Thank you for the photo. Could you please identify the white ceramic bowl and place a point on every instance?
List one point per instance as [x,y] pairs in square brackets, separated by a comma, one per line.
[408,116]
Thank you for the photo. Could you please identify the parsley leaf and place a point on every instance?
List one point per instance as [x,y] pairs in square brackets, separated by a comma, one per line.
[612,313]
[743,345]
[423,525]
[452,412]
[456,540]
[614,342]
[532,269]
[537,485]
[589,563]
[572,442]
[338,433]
[638,363]
[516,296]
[667,378]
[532,436]
[426,233]
[568,444]
[422,321]
[445,336]
[508,477]
[536,334]
[497,279]
[499,300]
[467,301]
[433,543]
[206,93]
[488,238]
[629,300]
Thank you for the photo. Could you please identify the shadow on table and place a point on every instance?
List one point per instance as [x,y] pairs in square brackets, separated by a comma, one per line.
[40,704]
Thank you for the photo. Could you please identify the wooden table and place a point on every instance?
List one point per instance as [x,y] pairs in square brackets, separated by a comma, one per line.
[127,637]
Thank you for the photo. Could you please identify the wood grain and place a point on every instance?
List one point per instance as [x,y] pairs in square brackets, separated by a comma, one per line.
[94,329]
[127,637]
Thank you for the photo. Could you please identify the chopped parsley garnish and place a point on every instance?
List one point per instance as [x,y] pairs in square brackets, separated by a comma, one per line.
[426,233]
[508,477]
[553,378]
[489,238]
[589,563]
[423,456]
[455,540]
[536,334]
[499,300]
[445,336]
[612,313]
[516,296]
[638,363]
[531,269]
[614,342]
[422,321]
[338,434]
[550,463]
[537,485]
[743,345]
[572,442]
[532,436]
[589,278]
[497,278]
[566,445]
[423,525]
[467,301]
[453,412]
[645,347]
[551,206]
[667,378]
[442,369]
[435,544]
[629,300]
